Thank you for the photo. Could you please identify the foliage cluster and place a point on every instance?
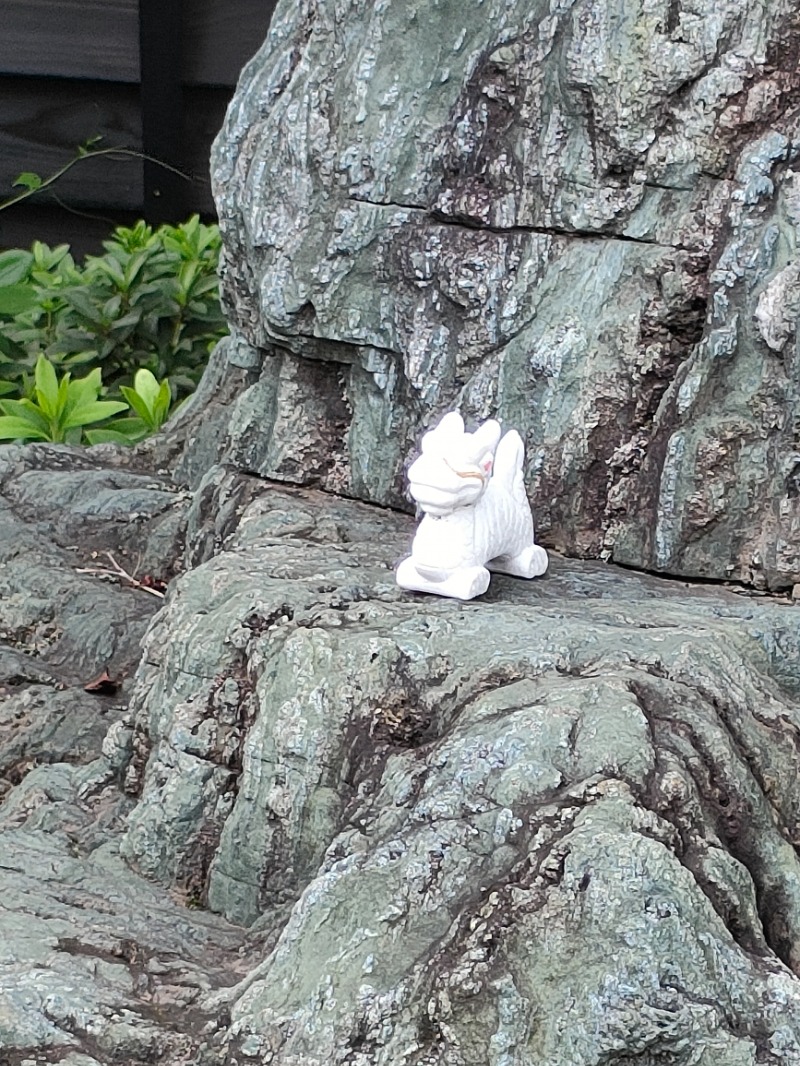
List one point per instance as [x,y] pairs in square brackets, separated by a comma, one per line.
[143,317]
[60,410]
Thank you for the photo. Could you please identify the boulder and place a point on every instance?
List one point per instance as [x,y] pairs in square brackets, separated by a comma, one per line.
[328,821]
[97,966]
[259,805]
[580,223]
[556,825]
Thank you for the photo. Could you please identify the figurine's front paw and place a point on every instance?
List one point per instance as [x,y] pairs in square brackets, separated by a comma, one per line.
[408,577]
[463,584]
[468,583]
[538,561]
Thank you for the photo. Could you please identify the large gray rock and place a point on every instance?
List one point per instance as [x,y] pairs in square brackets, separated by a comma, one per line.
[581,222]
[95,959]
[316,820]
[97,966]
[330,822]
[61,511]
[558,825]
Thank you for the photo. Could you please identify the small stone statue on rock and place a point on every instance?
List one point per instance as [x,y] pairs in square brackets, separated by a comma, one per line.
[477,516]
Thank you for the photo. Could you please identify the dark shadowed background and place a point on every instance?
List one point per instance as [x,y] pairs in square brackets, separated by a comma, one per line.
[150,75]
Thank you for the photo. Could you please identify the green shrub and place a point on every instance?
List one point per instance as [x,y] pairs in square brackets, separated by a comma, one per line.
[16,293]
[151,301]
[57,411]
[60,410]
[150,401]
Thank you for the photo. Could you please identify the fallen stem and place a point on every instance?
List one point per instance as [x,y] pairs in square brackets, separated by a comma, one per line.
[117,571]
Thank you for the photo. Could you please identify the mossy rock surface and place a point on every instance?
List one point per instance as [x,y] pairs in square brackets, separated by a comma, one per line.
[324,820]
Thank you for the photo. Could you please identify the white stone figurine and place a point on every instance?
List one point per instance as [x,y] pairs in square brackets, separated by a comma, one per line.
[476,518]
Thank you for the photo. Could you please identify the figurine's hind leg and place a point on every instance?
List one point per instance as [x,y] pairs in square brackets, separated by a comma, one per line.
[530,562]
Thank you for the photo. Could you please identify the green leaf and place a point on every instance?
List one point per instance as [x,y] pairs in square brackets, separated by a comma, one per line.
[62,399]
[191,226]
[207,284]
[146,385]
[162,404]
[107,436]
[15,265]
[135,264]
[9,349]
[87,146]
[47,390]
[128,321]
[17,429]
[26,411]
[29,180]
[15,299]
[83,391]
[82,301]
[8,388]
[138,404]
[96,411]
[111,307]
[79,357]
[132,429]
[107,265]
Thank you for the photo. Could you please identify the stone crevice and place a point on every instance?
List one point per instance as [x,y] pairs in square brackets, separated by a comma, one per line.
[437,217]
[735,819]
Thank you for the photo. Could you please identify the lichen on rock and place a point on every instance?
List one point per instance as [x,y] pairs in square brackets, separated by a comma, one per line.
[557,824]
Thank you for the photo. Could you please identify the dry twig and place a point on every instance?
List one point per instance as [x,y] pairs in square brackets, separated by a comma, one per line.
[119,572]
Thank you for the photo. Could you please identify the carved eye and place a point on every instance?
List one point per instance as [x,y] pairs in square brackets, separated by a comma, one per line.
[486,466]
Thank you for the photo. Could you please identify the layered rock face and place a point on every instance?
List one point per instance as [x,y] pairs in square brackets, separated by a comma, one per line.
[578,218]
[556,826]
[97,965]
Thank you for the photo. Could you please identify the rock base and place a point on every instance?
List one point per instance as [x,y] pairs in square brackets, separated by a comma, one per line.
[328,821]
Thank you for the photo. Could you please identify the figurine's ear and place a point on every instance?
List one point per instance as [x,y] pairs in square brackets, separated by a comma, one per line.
[452,424]
[487,436]
[449,428]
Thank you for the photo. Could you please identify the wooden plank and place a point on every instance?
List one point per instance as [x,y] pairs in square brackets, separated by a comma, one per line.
[96,39]
[20,226]
[204,110]
[220,36]
[162,108]
[43,123]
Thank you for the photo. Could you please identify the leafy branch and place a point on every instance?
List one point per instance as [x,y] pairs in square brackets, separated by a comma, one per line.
[150,301]
[33,183]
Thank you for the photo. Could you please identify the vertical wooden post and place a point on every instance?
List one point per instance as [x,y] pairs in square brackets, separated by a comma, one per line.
[162,111]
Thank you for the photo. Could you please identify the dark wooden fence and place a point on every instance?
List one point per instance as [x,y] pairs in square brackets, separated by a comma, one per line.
[149,75]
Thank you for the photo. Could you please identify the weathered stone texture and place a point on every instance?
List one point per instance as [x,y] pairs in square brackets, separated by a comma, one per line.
[579,219]
[322,822]
[558,825]
[94,959]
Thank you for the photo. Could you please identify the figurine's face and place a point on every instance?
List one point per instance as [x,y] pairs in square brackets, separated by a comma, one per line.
[441,486]
[454,468]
